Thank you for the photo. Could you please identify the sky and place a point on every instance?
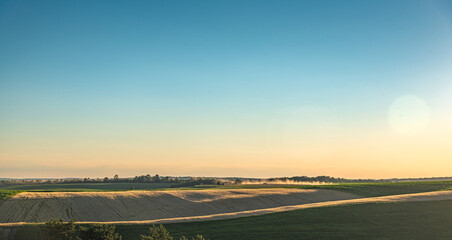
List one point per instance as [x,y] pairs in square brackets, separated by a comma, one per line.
[355,89]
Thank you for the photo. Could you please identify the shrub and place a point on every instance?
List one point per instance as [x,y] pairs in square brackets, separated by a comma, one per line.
[157,233]
[198,237]
[160,233]
[57,229]
[98,232]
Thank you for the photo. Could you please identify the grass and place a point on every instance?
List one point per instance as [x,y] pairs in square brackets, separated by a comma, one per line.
[360,189]
[5,194]
[83,187]
[384,189]
[405,220]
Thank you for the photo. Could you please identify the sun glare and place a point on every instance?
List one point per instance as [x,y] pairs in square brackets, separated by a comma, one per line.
[409,115]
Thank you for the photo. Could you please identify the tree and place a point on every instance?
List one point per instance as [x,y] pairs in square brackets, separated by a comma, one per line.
[157,233]
[116,177]
[57,229]
[148,178]
[156,178]
[98,232]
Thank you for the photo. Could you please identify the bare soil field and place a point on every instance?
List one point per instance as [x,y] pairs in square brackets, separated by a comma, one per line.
[179,206]
[153,205]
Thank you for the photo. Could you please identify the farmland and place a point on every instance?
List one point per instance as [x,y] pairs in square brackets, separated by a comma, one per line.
[82,187]
[430,220]
[360,189]
[153,205]
[324,211]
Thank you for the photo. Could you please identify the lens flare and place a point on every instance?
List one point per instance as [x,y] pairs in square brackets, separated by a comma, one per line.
[409,115]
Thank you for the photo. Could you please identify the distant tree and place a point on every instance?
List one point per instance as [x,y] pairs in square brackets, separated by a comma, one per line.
[238,181]
[116,177]
[98,232]
[157,233]
[106,179]
[57,229]
[156,178]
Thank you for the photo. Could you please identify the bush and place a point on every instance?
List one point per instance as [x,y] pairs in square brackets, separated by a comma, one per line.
[198,237]
[57,229]
[157,233]
[160,233]
[98,232]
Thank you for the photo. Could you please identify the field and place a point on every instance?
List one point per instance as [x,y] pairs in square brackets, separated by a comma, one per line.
[360,189]
[404,220]
[431,220]
[384,189]
[82,187]
[329,211]
[152,205]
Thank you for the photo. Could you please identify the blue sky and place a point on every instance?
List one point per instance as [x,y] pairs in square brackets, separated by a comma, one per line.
[145,71]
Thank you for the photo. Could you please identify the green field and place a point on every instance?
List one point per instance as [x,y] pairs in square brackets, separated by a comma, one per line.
[384,189]
[361,189]
[83,187]
[406,220]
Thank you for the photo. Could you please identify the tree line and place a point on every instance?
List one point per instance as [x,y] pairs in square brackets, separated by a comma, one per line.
[174,181]
[191,181]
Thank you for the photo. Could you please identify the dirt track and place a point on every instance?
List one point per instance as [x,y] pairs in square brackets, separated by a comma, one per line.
[179,206]
[152,205]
